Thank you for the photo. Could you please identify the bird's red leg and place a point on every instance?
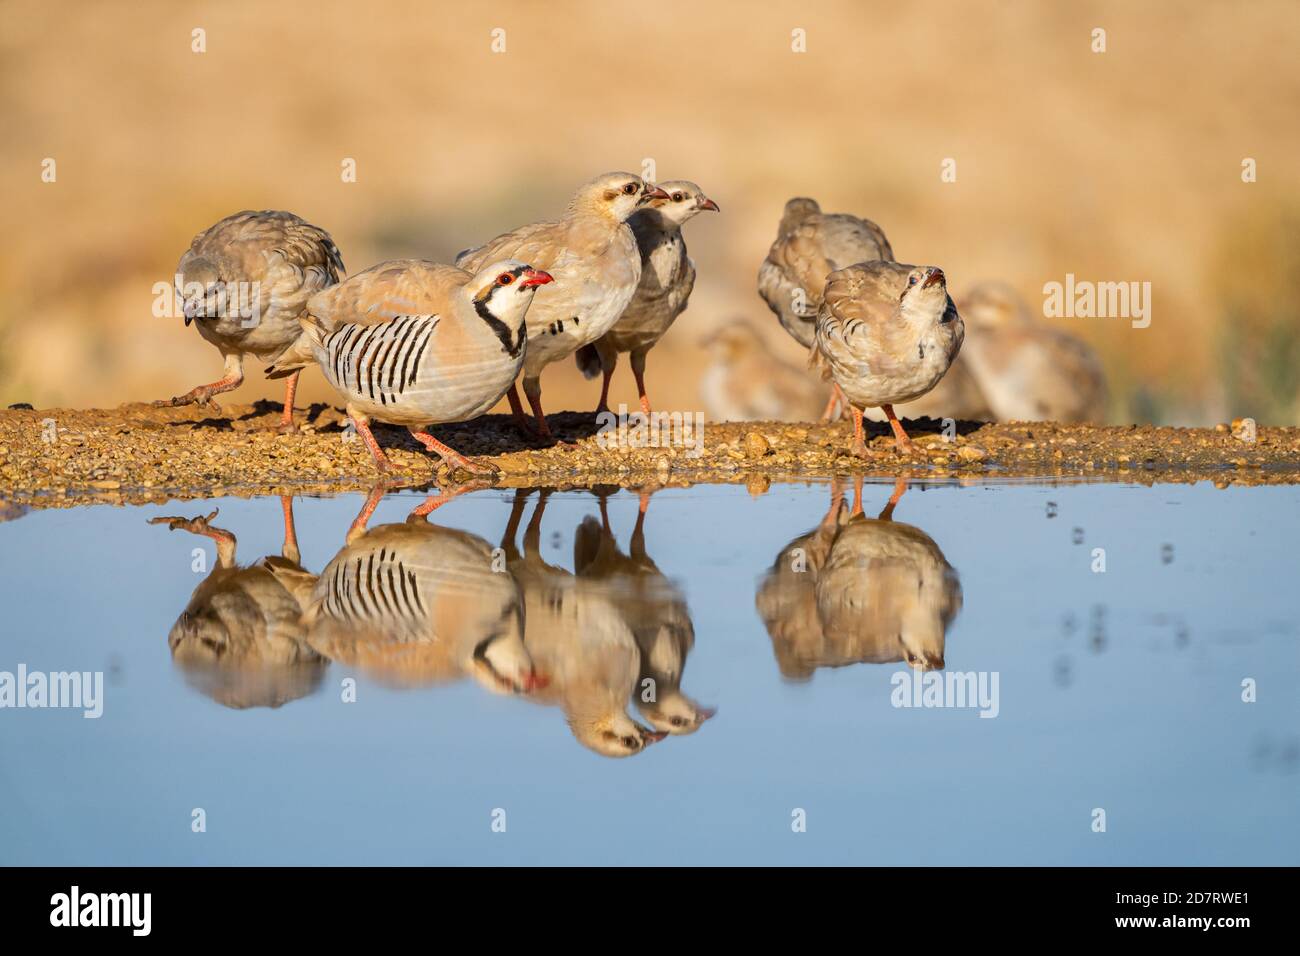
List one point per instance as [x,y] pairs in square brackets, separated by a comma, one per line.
[900,437]
[363,429]
[453,458]
[535,400]
[859,446]
[290,390]
[607,374]
[202,394]
[857,495]
[290,547]
[638,372]
[837,398]
[517,411]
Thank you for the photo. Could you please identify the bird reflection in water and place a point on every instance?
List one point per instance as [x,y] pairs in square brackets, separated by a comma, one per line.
[415,604]
[240,640]
[859,590]
[614,632]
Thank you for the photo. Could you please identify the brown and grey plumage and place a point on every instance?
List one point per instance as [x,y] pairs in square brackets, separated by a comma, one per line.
[809,246]
[416,604]
[886,333]
[593,257]
[667,278]
[745,381]
[580,641]
[655,610]
[1027,370]
[244,283]
[240,639]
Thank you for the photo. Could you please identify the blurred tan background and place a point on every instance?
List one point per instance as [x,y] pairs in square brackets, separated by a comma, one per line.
[1115,167]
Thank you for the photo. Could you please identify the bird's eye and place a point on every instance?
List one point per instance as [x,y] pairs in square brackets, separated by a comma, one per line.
[630,188]
[629,742]
[505,278]
[911,280]
[678,197]
[677,721]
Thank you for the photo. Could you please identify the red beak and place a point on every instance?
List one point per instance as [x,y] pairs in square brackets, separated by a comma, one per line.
[655,736]
[653,192]
[707,712]
[535,681]
[709,204]
[534,277]
[936,275]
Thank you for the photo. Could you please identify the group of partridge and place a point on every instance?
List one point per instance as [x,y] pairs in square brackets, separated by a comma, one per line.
[417,343]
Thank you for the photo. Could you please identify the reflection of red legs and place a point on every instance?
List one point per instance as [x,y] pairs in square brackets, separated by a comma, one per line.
[203,526]
[857,496]
[637,544]
[358,526]
[290,390]
[453,458]
[290,547]
[434,502]
[900,437]
[859,446]
[638,372]
[900,486]
[202,395]
[362,425]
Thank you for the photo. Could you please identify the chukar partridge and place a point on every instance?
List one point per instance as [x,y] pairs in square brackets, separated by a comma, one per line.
[579,639]
[667,278]
[886,333]
[416,343]
[746,382]
[593,257]
[809,246]
[416,604]
[240,639]
[244,283]
[1027,370]
[655,611]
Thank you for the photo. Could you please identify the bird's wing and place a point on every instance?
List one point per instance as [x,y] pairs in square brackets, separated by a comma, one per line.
[390,289]
[859,321]
[539,244]
[244,245]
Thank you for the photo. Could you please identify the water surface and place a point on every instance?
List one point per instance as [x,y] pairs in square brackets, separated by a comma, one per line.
[499,648]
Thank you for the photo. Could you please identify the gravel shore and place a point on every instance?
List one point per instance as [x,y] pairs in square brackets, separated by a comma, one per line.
[137,453]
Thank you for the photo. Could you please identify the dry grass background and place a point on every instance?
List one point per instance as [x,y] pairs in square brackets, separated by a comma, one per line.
[1116,166]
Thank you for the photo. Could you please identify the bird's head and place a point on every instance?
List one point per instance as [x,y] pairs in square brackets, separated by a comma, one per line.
[732,341]
[502,664]
[615,196]
[796,211]
[616,736]
[675,713]
[200,289]
[680,201]
[504,290]
[924,293]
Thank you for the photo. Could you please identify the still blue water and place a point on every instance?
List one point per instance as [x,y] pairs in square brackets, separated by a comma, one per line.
[1118,690]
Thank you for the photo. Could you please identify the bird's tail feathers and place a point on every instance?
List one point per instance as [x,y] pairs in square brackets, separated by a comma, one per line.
[588,360]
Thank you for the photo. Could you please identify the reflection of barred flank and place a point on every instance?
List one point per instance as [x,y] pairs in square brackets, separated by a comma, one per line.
[378,585]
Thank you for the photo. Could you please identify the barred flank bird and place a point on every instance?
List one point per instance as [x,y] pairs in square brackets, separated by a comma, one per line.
[886,334]
[593,256]
[416,343]
[244,284]
[809,246]
[667,278]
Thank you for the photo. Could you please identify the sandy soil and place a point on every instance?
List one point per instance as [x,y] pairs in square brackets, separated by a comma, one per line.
[137,453]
